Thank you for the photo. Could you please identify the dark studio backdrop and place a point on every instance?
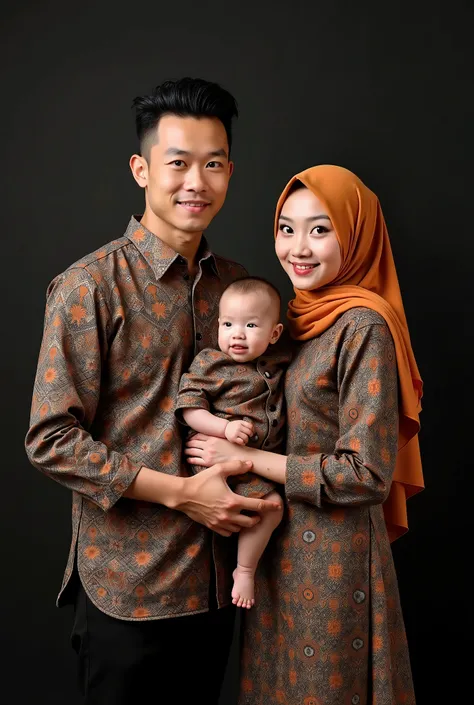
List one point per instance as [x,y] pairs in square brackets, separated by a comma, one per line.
[383,88]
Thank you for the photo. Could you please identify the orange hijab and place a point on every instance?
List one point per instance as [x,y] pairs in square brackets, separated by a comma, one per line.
[367,278]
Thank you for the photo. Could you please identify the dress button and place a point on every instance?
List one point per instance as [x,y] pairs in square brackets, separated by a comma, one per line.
[272,407]
[267,374]
[198,336]
[186,276]
[254,437]
[308,651]
[355,700]
[309,536]
[357,644]
[359,596]
[274,422]
[263,362]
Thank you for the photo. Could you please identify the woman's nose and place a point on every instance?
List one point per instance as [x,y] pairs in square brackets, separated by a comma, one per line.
[300,247]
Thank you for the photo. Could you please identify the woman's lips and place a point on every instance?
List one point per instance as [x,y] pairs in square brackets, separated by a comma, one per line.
[303,270]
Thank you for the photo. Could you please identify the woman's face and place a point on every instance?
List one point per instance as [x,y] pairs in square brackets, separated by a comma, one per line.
[306,244]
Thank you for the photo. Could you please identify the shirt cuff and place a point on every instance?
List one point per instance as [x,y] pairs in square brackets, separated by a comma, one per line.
[109,495]
[189,402]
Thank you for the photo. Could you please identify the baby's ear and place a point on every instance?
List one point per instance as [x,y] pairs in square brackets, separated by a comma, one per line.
[277,331]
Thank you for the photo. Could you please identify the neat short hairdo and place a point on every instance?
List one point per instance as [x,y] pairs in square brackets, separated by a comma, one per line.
[249,285]
[186,97]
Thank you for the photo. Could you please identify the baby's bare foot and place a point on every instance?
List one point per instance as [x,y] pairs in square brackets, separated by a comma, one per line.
[243,591]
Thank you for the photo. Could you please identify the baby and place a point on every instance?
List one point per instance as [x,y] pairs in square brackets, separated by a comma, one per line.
[237,393]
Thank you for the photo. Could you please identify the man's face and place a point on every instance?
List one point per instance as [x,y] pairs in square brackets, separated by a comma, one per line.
[186,176]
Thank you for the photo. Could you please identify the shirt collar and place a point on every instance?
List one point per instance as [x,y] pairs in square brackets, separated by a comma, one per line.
[157,253]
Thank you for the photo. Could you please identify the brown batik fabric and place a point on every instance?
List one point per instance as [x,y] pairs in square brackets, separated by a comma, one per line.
[327,628]
[121,327]
[251,391]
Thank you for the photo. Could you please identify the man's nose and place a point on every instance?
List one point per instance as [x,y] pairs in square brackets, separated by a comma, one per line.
[195,180]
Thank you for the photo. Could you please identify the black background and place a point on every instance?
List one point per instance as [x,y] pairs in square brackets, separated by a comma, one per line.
[382,88]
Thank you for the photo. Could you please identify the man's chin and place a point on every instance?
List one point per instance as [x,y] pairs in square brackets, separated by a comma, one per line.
[194,225]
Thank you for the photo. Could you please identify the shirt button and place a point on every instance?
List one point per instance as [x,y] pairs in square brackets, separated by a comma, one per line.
[308,651]
[309,536]
[186,276]
[198,336]
[255,437]
[274,422]
[267,374]
[263,362]
[272,407]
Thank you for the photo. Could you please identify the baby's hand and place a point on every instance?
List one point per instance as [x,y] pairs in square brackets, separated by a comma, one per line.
[239,432]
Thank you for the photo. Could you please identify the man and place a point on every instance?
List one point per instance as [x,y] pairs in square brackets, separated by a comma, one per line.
[152,610]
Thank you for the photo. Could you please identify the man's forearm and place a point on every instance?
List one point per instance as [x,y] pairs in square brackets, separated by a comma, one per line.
[203,421]
[158,487]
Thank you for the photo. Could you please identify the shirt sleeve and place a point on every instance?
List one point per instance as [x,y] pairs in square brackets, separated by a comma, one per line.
[66,394]
[360,469]
[204,380]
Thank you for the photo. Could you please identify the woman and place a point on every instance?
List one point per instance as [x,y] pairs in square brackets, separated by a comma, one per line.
[327,628]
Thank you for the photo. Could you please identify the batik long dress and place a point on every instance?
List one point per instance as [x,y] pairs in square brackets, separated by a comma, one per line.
[327,628]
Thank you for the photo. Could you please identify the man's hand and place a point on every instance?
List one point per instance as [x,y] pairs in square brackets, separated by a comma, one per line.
[239,431]
[207,499]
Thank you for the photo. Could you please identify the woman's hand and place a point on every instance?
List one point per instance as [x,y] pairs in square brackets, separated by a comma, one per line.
[205,450]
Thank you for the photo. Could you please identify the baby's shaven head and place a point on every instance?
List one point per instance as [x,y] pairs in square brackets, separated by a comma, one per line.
[249,314]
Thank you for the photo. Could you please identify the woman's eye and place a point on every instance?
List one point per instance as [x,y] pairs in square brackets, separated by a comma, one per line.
[320,230]
[286,229]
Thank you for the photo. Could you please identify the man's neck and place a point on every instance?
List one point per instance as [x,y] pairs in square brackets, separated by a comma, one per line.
[184,243]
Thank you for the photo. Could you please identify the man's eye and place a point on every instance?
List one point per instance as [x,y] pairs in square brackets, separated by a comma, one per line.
[214,165]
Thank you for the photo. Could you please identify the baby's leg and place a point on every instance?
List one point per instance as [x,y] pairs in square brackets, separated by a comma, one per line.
[252,542]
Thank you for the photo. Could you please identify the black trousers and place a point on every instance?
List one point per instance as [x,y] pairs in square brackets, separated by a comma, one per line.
[166,661]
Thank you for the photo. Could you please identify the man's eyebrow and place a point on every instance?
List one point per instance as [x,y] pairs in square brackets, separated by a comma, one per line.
[176,152]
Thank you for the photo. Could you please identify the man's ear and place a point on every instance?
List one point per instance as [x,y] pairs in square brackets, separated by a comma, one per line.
[139,169]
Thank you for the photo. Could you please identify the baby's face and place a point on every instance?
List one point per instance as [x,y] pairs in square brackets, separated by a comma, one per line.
[248,323]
